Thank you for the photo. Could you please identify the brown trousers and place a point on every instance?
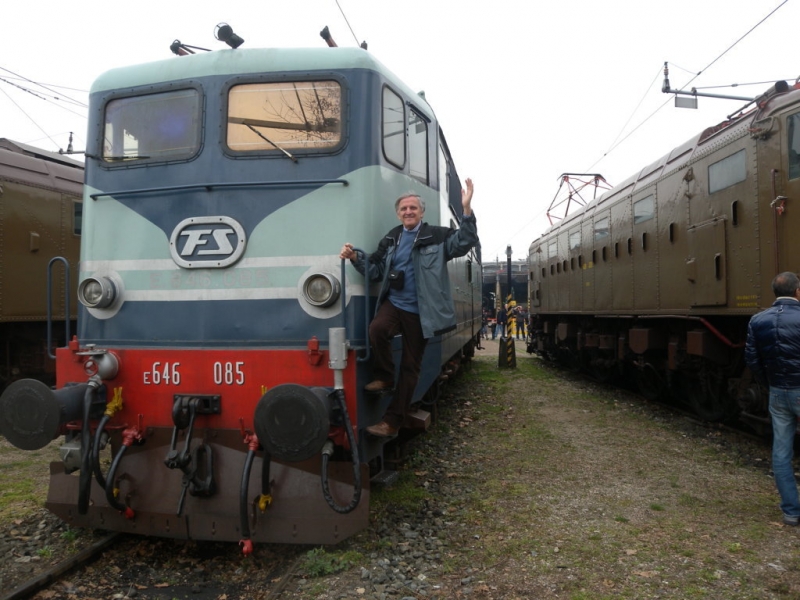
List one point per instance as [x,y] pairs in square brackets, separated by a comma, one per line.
[390,321]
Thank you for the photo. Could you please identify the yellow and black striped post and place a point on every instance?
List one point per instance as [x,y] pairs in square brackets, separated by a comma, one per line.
[507,356]
[511,325]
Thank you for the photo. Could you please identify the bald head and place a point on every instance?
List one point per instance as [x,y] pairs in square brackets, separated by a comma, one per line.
[785,284]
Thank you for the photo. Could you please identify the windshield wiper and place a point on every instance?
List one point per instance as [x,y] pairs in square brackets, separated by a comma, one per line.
[127,157]
[269,141]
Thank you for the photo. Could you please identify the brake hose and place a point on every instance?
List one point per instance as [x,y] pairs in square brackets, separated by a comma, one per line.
[327,451]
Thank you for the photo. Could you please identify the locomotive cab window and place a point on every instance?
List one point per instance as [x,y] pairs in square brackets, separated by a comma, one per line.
[162,126]
[727,172]
[794,145]
[286,116]
[417,146]
[394,128]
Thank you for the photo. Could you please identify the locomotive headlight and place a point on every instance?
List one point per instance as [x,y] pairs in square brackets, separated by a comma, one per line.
[321,289]
[97,292]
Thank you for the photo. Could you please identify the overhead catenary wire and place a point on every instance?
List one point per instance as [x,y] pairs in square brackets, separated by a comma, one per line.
[618,142]
[32,120]
[51,96]
[62,97]
[346,21]
[615,145]
[44,97]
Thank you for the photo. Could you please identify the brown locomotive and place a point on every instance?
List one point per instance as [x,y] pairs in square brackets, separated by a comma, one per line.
[657,279]
[40,218]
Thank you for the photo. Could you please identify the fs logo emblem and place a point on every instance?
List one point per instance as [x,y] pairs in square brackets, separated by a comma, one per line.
[207,242]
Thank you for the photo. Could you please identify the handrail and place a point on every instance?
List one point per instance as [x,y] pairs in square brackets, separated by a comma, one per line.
[367,354]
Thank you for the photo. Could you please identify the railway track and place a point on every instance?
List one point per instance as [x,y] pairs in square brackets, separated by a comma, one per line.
[411,543]
[56,572]
[122,566]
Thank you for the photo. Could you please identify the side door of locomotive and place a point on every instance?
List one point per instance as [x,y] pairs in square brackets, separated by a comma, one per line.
[791,162]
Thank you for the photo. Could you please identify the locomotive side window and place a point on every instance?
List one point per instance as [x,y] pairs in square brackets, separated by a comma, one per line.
[601,229]
[574,240]
[394,128]
[77,217]
[417,147]
[163,126]
[727,172]
[644,209]
[794,146]
[289,115]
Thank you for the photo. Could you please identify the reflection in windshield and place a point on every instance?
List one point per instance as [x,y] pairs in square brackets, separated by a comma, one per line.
[301,115]
[154,126]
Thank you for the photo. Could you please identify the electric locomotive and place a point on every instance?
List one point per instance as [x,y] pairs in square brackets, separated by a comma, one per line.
[221,350]
[40,218]
[656,279]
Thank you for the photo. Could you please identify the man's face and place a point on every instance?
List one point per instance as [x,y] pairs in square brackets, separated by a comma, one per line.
[410,212]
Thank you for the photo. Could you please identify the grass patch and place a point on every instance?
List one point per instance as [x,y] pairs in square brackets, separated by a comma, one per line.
[565,473]
[405,493]
[319,562]
[620,519]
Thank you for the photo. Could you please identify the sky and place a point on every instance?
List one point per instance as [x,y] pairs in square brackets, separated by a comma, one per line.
[524,90]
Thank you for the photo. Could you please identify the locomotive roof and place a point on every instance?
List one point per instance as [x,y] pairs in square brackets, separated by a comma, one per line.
[680,155]
[245,61]
[28,150]
[34,166]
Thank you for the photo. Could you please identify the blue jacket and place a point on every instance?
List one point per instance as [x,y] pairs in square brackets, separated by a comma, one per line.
[773,344]
[432,249]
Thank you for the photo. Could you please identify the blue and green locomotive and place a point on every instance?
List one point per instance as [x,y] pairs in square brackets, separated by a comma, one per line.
[222,350]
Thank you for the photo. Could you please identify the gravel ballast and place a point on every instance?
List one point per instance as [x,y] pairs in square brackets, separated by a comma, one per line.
[534,483]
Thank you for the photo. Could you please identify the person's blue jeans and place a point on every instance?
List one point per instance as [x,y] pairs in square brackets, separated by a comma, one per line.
[784,406]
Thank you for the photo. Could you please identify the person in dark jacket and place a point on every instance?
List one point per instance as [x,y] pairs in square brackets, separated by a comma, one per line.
[520,317]
[502,319]
[414,298]
[772,352]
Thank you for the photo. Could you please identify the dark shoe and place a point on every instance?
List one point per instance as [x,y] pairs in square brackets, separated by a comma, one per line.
[791,521]
[378,386]
[382,429]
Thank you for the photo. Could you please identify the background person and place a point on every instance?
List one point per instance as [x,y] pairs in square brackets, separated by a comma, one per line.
[414,298]
[502,319]
[772,352]
[520,317]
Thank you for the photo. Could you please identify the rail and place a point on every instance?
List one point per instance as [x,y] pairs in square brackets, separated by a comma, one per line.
[28,588]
